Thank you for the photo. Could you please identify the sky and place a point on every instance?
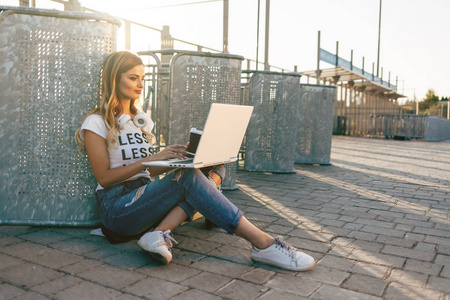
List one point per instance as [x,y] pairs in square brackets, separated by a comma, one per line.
[414,42]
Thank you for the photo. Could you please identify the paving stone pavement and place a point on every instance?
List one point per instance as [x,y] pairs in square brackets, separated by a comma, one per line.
[376,220]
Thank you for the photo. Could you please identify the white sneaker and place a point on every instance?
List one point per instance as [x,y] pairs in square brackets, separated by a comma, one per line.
[283,255]
[159,244]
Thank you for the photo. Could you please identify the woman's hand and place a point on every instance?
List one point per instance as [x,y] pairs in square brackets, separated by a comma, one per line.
[170,152]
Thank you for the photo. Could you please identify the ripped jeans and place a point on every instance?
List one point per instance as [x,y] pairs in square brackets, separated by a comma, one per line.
[132,207]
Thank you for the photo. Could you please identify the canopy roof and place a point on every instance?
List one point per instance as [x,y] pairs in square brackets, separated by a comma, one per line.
[360,80]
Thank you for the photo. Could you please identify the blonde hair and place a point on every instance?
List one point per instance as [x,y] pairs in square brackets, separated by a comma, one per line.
[110,107]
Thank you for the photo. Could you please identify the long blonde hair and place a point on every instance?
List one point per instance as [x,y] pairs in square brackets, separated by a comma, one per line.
[110,107]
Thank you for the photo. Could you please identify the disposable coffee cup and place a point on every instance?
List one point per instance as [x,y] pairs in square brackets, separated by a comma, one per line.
[194,139]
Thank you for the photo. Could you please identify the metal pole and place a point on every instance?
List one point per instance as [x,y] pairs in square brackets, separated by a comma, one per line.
[225,26]
[379,32]
[257,35]
[266,54]
[127,27]
[337,53]
[318,59]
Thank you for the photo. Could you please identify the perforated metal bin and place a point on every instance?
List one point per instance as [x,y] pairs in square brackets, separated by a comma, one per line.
[50,63]
[270,138]
[196,80]
[315,124]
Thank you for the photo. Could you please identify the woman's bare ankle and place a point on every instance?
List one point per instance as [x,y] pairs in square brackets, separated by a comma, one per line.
[267,242]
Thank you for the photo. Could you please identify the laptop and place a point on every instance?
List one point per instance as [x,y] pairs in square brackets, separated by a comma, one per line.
[221,139]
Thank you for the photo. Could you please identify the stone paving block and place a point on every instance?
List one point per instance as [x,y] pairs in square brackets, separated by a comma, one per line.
[198,245]
[185,258]
[296,285]
[432,232]
[130,259]
[312,235]
[7,261]
[171,272]
[337,231]
[306,245]
[9,240]
[408,277]
[223,238]
[326,275]
[400,291]
[378,258]
[334,223]
[194,230]
[278,229]
[365,284]
[341,251]
[258,276]
[196,295]
[423,267]
[337,293]
[80,266]
[280,295]
[208,282]
[57,285]
[234,254]
[414,236]
[384,239]
[31,296]
[412,222]
[442,259]
[439,283]
[367,246]
[437,240]
[56,259]
[76,246]
[8,291]
[155,288]
[445,272]
[87,290]
[409,253]
[29,275]
[221,267]
[16,230]
[25,250]
[44,237]
[336,262]
[375,223]
[113,277]
[238,289]
[353,226]
[385,231]
[404,227]
[101,253]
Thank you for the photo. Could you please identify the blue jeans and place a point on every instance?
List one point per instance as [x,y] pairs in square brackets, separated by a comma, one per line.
[132,207]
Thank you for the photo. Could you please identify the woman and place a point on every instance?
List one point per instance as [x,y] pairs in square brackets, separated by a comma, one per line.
[130,203]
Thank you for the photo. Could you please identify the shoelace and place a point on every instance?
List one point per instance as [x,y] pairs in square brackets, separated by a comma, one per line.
[285,247]
[168,238]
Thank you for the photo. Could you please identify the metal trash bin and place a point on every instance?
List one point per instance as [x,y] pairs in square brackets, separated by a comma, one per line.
[196,80]
[270,138]
[315,124]
[50,66]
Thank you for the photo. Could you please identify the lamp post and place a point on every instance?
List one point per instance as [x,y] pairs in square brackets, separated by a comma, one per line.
[379,32]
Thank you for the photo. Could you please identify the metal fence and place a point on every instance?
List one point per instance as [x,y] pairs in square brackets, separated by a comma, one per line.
[186,87]
[315,124]
[270,138]
[50,66]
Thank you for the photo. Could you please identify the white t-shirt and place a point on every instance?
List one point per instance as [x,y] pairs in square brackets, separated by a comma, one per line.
[132,144]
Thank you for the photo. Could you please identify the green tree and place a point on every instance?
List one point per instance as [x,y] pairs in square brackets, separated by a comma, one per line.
[429,102]
[430,97]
